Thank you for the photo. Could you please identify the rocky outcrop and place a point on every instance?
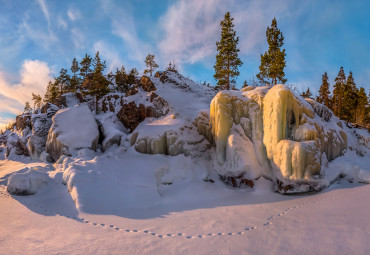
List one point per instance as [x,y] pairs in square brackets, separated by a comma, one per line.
[146,84]
[72,129]
[23,121]
[131,114]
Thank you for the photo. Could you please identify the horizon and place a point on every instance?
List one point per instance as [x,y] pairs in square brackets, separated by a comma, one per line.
[38,38]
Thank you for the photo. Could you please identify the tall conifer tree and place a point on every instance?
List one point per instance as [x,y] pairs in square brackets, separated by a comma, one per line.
[273,61]
[349,99]
[324,92]
[227,60]
[337,100]
[85,66]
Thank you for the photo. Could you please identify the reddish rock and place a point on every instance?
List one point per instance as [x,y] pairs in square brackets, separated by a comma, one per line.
[146,84]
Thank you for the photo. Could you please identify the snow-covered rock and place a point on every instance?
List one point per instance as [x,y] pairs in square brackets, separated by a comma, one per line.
[27,181]
[111,129]
[72,129]
[40,128]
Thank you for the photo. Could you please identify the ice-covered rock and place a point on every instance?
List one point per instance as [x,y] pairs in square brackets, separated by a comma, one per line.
[27,181]
[237,129]
[17,145]
[72,129]
[275,133]
[111,129]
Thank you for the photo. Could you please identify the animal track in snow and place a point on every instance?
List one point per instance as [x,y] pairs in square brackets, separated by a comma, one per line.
[183,235]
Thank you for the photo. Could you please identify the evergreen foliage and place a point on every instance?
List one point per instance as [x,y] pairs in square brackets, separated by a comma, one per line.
[227,60]
[324,92]
[307,94]
[151,65]
[121,80]
[63,80]
[171,67]
[273,61]
[27,108]
[75,81]
[349,99]
[337,100]
[36,101]
[85,66]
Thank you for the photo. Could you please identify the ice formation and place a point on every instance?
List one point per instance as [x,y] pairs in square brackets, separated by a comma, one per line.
[72,129]
[275,133]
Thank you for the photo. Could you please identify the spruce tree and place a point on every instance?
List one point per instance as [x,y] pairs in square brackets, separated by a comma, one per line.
[85,66]
[100,85]
[37,99]
[273,61]
[227,60]
[151,65]
[131,77]
[337,100]
[324,92]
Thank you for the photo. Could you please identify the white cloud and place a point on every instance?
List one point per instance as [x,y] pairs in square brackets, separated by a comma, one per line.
[35,76]
[74,14]
[78,38]
[191,28]
[62,23]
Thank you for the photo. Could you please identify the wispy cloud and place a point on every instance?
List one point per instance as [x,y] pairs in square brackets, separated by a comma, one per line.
[109,54]
[44,9]
[123,26]
[74,14]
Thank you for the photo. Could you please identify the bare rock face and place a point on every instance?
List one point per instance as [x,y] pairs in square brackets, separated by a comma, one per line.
[131,114]
[146,84]
[23,121]
[72,129]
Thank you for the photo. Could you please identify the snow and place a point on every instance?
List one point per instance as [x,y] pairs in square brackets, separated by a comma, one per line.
[127,202]
[72,129]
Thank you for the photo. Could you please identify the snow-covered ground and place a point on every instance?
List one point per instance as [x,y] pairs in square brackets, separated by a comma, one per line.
[131,203]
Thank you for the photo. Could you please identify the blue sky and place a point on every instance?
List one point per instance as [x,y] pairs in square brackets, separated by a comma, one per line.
[38,38]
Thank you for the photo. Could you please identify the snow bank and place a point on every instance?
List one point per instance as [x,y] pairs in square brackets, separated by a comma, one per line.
[72,129]
[27,181]
[112,130]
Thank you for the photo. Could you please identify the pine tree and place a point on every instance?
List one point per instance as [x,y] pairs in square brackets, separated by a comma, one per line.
[36,101]
[307,94]
[349,99]
[324,92]
[85,66]
[362,107]
[121,80]
[100,85]
[63,80]
[245,84]
[273,61]
[337,100]
[171,67]
[131,77]
[75,81]
[151,65]
[27,108]
[227,60]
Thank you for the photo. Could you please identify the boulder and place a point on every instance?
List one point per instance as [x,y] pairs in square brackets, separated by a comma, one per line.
[146,84]
[16,145]
[72,129]
[131,114]
[26,181]
[41,124]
